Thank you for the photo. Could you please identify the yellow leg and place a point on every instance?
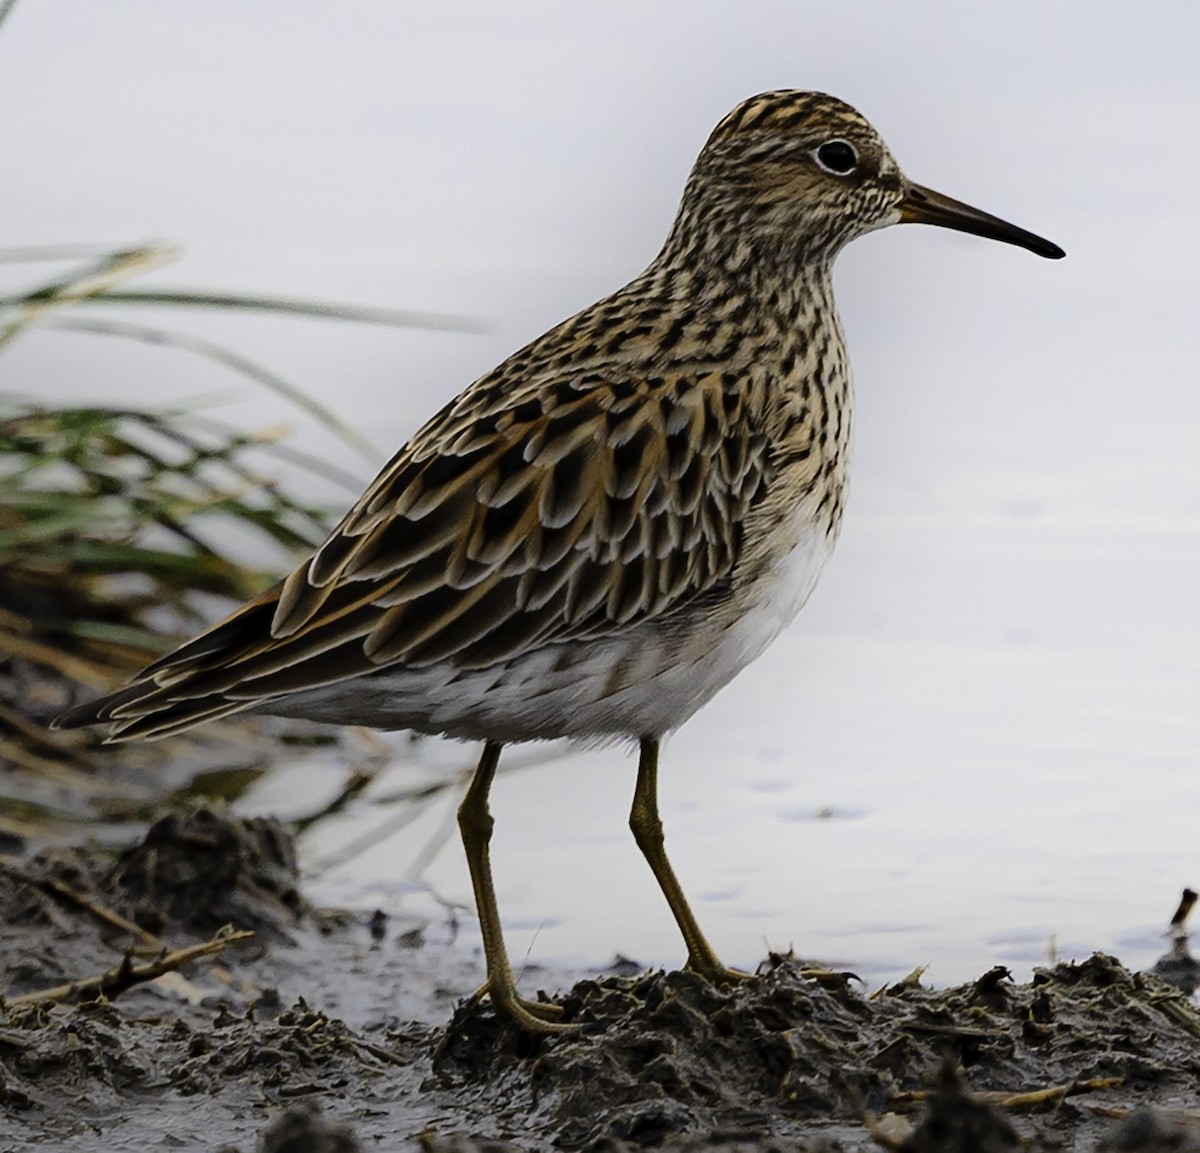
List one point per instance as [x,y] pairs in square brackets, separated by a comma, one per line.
[648,832]
[475,824]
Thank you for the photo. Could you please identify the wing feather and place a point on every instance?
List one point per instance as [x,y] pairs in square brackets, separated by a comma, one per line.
[511,521]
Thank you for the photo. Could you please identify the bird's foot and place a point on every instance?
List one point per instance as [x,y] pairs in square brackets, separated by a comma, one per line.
[540,1017]
[714,972]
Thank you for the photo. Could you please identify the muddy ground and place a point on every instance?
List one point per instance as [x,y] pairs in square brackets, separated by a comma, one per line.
[327,1033]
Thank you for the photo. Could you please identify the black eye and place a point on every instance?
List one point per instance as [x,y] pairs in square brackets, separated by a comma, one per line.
[837,156]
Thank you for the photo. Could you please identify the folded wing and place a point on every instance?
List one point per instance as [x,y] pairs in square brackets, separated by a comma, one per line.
[557,512]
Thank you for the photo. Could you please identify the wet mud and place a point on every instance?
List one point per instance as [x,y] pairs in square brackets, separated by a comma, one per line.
[328,1033]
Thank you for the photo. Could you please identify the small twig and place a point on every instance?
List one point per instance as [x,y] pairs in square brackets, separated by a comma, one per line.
[1018,1102]
[912,981]
[117,980]
[420,799]
[357,781]
[1186,902]
[1037,1098]
[380,1052]
[1179,1009]
[57,888]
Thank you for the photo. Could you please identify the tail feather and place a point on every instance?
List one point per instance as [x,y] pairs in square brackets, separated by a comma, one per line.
[159,702]
[175,719]
[99,710]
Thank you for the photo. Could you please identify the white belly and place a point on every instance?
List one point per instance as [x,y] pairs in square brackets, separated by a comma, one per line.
[644,682]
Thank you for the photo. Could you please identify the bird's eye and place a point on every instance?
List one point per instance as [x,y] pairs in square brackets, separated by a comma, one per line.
[837,156]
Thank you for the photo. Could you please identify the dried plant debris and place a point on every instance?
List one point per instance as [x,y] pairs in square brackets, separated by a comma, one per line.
[220,1051]
[111,984]
[784,1053]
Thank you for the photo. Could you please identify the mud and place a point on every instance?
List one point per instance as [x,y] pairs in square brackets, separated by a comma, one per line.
[328,1033]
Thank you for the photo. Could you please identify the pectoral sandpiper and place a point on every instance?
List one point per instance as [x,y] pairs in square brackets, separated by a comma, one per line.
[599,534]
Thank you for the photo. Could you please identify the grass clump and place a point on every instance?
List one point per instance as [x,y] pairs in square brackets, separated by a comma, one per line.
[109,519]
[120,528]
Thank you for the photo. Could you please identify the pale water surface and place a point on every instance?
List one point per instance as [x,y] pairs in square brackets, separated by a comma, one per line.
[980,740]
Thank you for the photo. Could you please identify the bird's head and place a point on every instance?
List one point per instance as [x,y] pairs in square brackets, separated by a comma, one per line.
[798,175]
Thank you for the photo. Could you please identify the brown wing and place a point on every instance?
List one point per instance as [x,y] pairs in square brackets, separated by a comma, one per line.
[560,511]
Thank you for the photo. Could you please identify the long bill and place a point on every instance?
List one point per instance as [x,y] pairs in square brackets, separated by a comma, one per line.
[924,206]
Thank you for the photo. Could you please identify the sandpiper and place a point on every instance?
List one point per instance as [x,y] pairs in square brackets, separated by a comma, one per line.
[596,536]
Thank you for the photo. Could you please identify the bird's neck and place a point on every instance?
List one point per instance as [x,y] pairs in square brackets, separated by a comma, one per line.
[779,313]
[753,266]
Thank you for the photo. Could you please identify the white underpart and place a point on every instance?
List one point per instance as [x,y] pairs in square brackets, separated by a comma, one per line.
[636,683]
[706,663]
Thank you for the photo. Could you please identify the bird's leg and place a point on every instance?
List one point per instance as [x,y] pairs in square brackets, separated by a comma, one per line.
[475,823]
[648,832]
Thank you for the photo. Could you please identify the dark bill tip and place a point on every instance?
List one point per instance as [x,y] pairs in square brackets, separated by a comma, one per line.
[924,206]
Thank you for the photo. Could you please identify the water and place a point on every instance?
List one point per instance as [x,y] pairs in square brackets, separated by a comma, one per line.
[979,742]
